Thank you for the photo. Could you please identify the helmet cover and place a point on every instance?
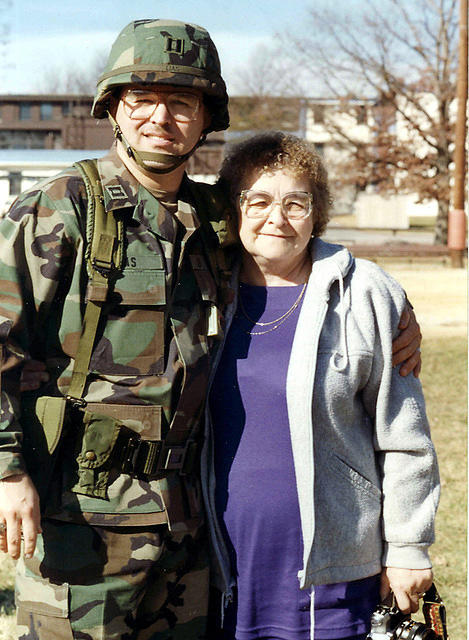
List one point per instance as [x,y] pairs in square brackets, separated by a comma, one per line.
[165,52]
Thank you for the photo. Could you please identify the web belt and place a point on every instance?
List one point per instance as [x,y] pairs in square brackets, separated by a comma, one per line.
[149,458]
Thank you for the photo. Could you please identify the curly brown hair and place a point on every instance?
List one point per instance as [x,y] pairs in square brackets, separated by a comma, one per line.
[275,150]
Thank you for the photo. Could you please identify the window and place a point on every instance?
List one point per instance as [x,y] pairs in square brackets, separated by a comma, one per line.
[14,183]
[45,111]
[66,108]
[25,111]
[318,113]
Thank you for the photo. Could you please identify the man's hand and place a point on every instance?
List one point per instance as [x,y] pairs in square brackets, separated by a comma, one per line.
[19,514]
[33,374]
[407,585]
[406,347]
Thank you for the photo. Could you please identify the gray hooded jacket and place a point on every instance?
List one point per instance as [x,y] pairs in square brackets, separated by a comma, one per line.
[365,465]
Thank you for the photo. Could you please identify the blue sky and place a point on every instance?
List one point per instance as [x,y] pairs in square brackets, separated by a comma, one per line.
[35,36]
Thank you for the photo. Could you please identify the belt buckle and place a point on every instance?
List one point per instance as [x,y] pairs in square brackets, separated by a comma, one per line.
[149,458]
[130,453]
[175,457]
[140,456]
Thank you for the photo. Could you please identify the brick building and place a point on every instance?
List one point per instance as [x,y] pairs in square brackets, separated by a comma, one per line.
[51,122]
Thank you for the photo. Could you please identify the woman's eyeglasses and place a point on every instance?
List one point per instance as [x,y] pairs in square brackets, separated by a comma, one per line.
[259,204]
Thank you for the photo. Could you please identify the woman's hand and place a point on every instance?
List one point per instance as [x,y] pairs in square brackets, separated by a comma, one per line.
[407,585]
[406,347]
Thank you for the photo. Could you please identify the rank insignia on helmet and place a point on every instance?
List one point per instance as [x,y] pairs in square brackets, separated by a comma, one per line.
[175,45]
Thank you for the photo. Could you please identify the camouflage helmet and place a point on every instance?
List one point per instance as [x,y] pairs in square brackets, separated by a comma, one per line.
[165,52]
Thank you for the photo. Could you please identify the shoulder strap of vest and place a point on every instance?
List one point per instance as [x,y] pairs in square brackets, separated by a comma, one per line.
[104,234]
[104,258]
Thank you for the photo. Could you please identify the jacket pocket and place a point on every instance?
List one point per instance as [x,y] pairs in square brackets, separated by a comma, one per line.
[347,508]
[144,419]
[132,338]
[354,477]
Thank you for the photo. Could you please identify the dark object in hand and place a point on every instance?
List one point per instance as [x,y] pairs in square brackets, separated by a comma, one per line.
[388,623]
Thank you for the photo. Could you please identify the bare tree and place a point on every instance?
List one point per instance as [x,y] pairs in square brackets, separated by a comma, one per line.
[76,79]
[266,92]
[269,72]
[398,60]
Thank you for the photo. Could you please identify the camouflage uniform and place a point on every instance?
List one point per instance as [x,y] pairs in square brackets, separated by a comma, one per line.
[127,582]
[149,367]
[122,554]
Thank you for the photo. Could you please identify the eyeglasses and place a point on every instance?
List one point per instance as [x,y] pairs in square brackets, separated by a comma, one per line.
[140,104]
[259,204]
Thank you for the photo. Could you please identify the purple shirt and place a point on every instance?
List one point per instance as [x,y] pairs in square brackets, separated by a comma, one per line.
[256,493]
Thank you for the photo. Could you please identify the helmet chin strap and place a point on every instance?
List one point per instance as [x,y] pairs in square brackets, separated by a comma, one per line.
[153,161]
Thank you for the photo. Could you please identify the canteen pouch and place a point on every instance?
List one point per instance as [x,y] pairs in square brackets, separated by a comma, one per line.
[94,457]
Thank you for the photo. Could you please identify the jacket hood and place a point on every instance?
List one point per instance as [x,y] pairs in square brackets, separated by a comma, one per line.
[331,262]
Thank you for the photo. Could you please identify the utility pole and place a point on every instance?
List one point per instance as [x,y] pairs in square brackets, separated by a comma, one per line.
[457,217]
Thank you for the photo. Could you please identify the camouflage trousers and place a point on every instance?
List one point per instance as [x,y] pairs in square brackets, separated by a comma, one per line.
[100,583]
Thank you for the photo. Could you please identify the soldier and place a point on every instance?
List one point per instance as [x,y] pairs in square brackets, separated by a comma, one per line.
[120,554]
[98,468]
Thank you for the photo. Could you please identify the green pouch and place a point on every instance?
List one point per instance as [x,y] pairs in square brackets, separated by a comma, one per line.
[43,421]
[94,459]
[50,411]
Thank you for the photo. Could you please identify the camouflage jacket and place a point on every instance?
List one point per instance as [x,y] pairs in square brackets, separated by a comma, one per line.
[151,358]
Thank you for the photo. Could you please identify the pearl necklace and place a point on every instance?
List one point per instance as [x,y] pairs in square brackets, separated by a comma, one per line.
[277,322]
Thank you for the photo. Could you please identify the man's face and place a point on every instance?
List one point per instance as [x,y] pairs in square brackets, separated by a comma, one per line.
[161,131]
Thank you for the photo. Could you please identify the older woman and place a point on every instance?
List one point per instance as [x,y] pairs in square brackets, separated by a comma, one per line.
[320,477]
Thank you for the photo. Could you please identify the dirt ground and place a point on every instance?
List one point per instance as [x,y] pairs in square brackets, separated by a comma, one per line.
[438,294]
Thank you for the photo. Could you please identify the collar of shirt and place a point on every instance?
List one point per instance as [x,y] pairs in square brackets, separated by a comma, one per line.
[122,190]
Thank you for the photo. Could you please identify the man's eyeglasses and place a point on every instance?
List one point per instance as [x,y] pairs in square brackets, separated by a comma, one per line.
[140,104]
[259,204]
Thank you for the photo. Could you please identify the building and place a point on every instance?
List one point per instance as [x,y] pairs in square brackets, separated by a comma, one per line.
[55,123]
[51,122]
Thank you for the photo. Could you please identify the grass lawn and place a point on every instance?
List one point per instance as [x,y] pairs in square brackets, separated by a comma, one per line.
[444,378]
[438,295]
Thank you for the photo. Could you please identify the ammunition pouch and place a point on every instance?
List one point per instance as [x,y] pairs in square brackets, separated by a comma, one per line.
[107,448]
[94,459]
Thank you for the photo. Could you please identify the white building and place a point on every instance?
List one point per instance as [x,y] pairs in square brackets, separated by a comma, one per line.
[325,120]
